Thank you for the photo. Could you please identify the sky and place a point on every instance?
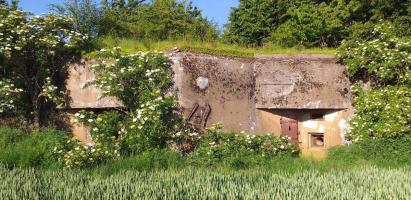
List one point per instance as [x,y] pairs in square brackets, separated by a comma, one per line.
[215,10]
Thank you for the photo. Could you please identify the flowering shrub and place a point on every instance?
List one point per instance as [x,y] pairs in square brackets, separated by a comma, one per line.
[141,81]
[383,56]
[105,147]
[185,140]
[216,146]
[32,49]
[379,55]
[146,121]
[382,112]
[9,96]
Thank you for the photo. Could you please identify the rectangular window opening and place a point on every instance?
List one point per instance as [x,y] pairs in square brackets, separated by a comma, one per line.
[317,140]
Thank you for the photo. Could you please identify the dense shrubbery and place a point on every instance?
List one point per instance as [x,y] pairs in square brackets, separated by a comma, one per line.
[381,113]
[307,23]
[216,147]
[377,53]
[377,56]
[32,49]
[30,149]
[140,19]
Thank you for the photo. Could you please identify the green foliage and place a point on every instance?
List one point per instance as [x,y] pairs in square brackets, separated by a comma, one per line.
[29,149]
[85,15]
[312,24]
[9,96]
[375,52]
[207,184]
[216,147]
[254,20]
[156,159]
[139,19]
[376,151]
[31,51]
[381,113]
[323,23]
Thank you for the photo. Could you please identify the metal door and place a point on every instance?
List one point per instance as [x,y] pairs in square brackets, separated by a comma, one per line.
[289,128]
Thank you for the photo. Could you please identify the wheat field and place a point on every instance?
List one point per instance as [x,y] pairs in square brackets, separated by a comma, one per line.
[191,183]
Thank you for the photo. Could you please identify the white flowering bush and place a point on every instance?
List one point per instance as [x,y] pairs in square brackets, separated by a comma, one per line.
[378,55]
[33,52]
[383,57]
[216,146]
[142,82]
[9,95]
[381,113]
[104,130]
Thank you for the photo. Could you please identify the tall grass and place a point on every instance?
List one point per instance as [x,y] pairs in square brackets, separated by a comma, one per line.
[22,148]
[129,46]
[189,183]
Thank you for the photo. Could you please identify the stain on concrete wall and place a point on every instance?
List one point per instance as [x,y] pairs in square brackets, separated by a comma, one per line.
[249,94]
[252,95]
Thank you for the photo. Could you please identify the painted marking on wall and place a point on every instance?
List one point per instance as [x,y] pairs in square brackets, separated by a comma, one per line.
[202,82]
[330,117]
[310,124]
[321,129]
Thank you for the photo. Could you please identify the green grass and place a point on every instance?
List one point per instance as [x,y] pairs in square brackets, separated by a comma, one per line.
[191,183]
[130,46]
[21,148]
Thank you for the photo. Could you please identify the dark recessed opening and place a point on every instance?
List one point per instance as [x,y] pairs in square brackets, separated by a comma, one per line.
[318,116]
[317,140]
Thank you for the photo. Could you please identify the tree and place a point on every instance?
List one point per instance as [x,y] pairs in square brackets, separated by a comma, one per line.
[84,12]
[254,20]
[306,22]
[32,51]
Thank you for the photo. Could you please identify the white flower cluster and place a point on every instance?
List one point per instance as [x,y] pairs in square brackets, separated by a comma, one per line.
[8,95]
[386,56]
[19,32]
[147,112]
[51,92]
[382,113]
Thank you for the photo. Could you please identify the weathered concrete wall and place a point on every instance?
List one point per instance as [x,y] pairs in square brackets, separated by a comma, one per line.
[247,94]
[252,95]
[226,84]
[301,82]
[81,96]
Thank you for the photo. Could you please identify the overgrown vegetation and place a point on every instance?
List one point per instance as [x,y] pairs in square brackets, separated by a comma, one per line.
[379,56]
[308,23]
[146,134]
[33,50]
[30,149]
[139,19]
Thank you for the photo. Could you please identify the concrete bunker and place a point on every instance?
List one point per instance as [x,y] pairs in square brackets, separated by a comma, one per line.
[303,97]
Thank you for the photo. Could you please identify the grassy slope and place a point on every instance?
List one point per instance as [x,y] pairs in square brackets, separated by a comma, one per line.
[129,46]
